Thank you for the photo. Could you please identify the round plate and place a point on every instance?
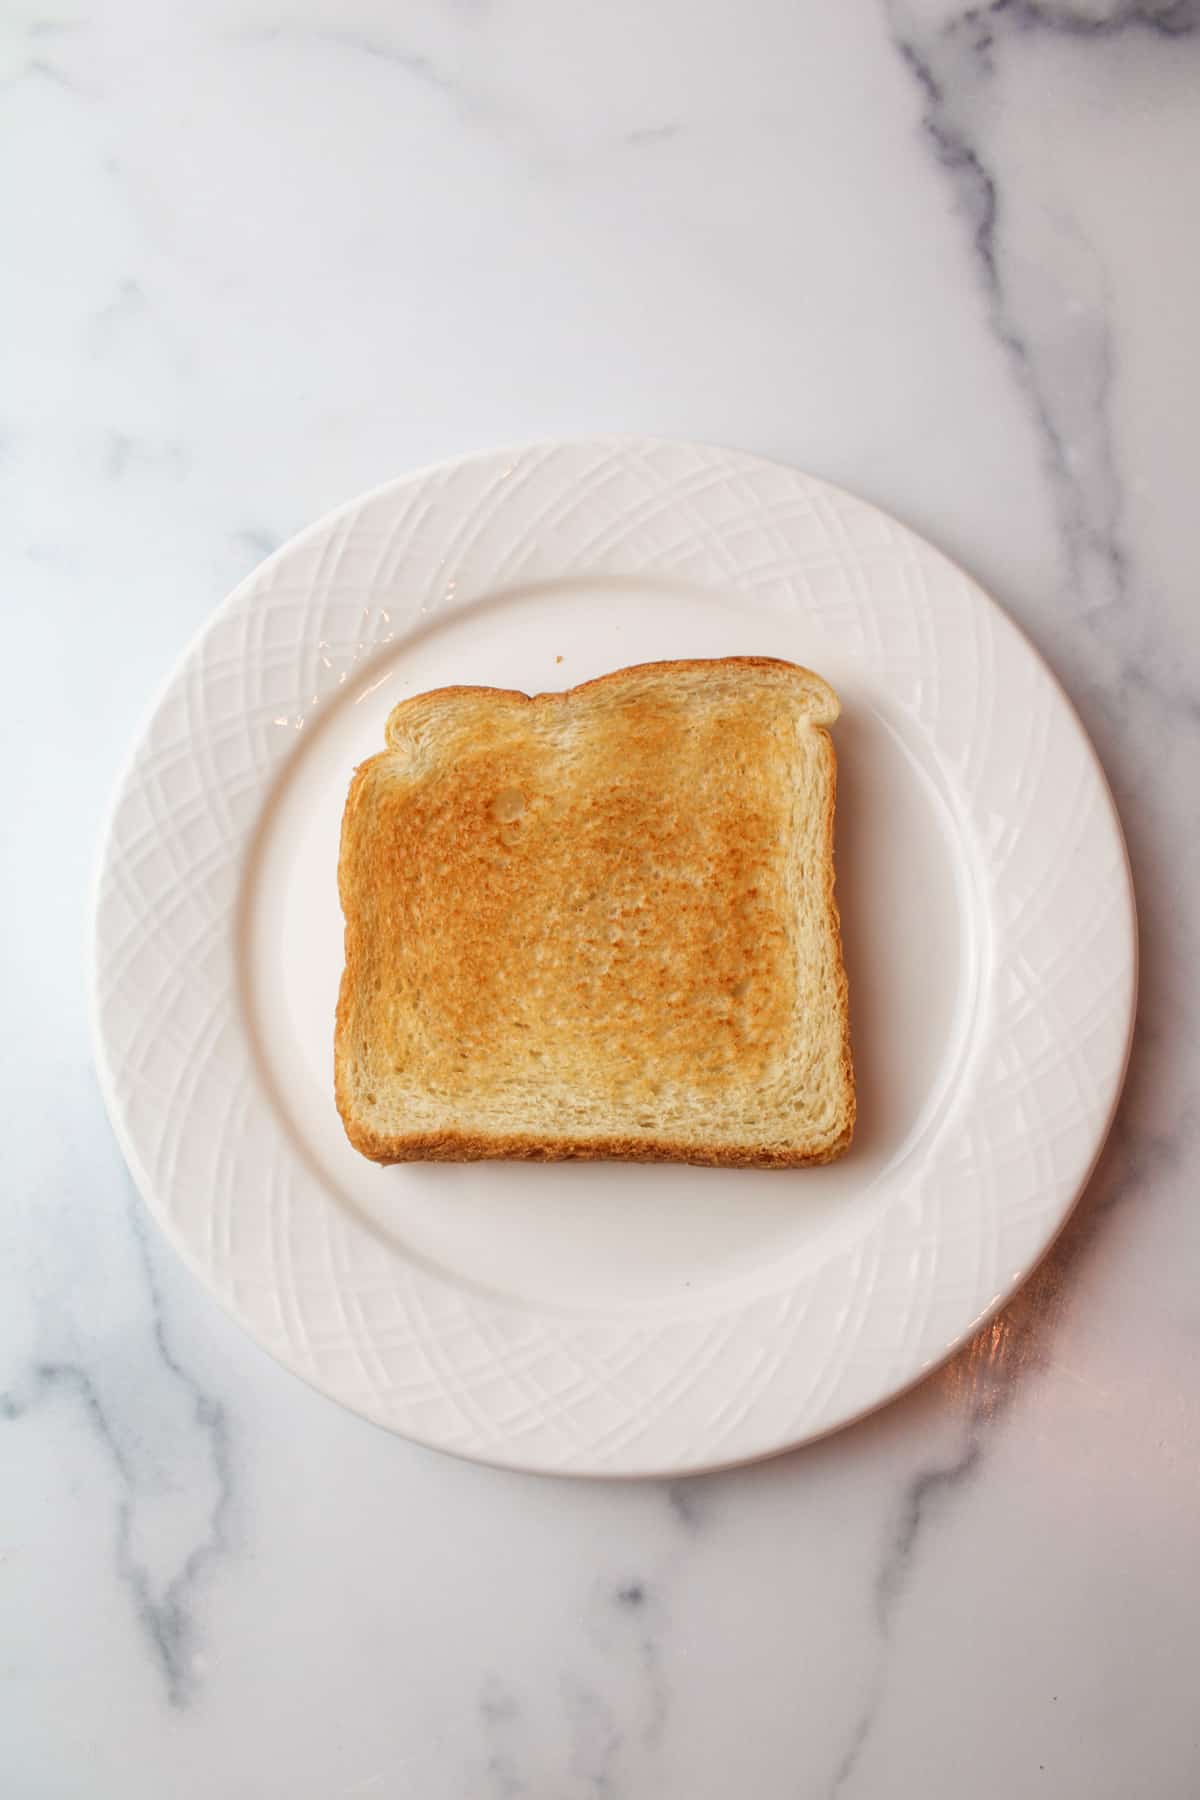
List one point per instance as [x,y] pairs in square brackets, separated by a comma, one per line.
[607,1318]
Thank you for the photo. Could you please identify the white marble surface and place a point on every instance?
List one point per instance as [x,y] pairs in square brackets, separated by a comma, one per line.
[260,256]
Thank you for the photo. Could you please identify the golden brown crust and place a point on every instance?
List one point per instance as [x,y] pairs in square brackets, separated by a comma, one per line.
[462,1147]
[555,696]
[842,986]
[432,929]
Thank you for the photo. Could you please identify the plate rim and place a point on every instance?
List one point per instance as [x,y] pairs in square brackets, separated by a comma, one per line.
[244,590]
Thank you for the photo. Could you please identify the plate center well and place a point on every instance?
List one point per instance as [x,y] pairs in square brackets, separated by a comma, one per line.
[627,1234]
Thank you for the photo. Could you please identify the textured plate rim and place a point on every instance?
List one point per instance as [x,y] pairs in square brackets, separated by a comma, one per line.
[108,1067]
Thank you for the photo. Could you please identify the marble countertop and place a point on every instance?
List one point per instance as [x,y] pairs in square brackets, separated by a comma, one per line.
[260,257]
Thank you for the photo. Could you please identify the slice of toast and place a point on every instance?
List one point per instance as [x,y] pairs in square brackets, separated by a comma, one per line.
[599,923]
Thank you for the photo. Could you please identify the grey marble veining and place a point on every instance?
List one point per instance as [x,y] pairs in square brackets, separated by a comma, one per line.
[952,61]
[164,1438]
[262,257]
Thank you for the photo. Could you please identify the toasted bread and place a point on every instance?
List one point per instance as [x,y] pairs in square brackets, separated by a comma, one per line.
[598,923]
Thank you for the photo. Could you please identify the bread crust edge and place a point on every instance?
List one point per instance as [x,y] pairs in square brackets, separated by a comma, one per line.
[434,1146]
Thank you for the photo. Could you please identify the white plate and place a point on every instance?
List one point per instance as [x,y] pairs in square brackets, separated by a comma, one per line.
[607,1318]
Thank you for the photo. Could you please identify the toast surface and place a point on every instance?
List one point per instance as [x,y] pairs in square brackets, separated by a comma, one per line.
[598,923]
